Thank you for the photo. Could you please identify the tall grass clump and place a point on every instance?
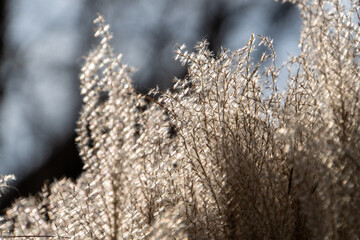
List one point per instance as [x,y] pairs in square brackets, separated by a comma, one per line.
[222,154]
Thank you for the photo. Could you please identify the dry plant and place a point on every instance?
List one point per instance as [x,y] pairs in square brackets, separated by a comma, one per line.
[4,180]
[221,155]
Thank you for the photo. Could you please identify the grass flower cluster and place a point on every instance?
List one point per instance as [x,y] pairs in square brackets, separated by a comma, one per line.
[221,155]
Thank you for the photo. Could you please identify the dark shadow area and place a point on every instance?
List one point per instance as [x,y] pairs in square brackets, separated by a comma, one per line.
[63,162]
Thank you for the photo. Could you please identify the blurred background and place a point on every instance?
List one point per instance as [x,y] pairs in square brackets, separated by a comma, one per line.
[42,48]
